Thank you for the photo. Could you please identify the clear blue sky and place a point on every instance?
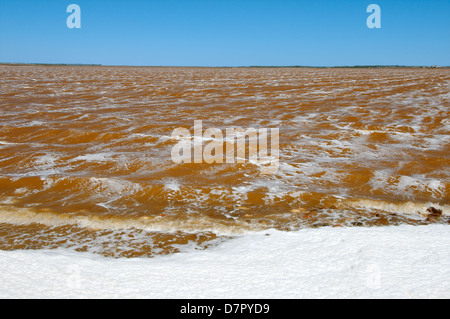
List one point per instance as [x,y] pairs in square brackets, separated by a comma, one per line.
[226,32]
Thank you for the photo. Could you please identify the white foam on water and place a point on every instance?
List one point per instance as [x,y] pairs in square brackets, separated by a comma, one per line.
[6,143]
[99,157]
[46,161]
[36,123]
[406,185]
[404,208]
[172,185]
[115,186]
[192,225]
[21,191]
[424,184]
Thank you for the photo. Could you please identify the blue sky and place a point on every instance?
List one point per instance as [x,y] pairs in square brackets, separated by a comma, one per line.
[226,32]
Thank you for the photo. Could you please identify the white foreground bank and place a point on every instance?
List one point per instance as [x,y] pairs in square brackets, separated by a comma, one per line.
[378,262]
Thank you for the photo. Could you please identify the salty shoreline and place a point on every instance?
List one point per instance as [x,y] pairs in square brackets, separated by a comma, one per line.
[377,262]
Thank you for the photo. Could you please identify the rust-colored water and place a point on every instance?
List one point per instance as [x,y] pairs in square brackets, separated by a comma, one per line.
[85,154]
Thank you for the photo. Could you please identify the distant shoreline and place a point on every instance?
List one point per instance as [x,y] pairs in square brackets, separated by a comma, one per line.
[238,67]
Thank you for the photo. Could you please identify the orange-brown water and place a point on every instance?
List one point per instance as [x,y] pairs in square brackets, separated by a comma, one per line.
[85,154]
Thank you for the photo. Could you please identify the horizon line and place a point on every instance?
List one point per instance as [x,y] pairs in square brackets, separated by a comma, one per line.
[239,66]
